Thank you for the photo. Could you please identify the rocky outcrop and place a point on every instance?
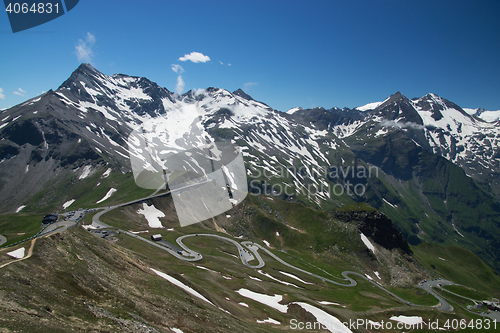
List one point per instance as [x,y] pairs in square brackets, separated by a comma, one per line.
[378,227]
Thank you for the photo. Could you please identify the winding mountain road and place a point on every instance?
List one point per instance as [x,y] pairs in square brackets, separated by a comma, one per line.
[191,255]
[247,253]
[428,285]
[439,283]
[255,247]
[245,256]
[345,274]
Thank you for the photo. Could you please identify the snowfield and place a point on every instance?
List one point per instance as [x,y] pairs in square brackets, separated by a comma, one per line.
[181,285]
[68,203]
[328,321]
[20,208]
[367,242]
[152,214]
[277,280]
[109,194]
[408,320]
[271,301]
[330,303]
[85,172]
[269,321]
[18,254]
[106,173]
[295,277]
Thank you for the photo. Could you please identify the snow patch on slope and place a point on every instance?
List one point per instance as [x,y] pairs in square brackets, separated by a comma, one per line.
[18,254]
[295,277]
[106,173]
[152,215]
[269,321]
[109,194]
[68,203]
[367,242]
[271,301]
[408,320]
[181,285]
[329,322]
[85,172]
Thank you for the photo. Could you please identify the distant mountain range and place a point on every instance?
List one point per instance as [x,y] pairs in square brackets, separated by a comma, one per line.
[486,115]
[429,165]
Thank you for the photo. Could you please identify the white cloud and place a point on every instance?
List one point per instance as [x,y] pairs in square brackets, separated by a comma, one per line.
[83,49]
[19,92]
[179,88]
[392,123]
[177,68]
[221,62]
[2,96]
[248,85]
[195,57]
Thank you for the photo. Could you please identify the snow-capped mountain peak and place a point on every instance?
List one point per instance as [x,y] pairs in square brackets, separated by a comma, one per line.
[293,110]
[486,115]
[109,108]
[369,106]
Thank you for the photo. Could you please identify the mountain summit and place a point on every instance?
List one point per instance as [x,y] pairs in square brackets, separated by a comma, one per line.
[241,93]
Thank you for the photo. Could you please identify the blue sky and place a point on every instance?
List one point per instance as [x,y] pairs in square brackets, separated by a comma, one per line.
[284,53]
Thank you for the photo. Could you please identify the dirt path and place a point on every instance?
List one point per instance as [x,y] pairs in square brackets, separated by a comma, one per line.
[30,252]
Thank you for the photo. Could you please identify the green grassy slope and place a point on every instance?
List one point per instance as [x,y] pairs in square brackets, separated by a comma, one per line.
[460,266]
[16,227]
[86,192]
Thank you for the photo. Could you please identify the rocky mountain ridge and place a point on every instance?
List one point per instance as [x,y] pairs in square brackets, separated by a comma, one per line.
[433,168]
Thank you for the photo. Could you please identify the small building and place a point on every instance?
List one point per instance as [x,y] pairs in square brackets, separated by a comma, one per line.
[49,218]
[491,305]
[156,238]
